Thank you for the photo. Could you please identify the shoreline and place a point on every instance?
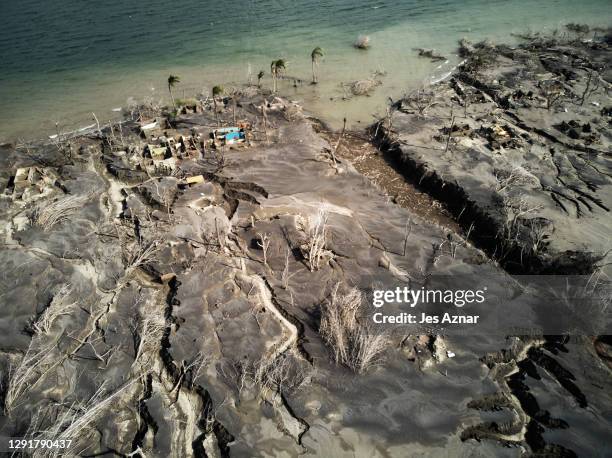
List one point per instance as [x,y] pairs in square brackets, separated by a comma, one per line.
[309,99]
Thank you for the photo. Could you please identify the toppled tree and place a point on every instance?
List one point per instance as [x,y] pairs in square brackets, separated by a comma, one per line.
[353,343]
[47,216]
[75,422]
[479,56]
[32,368]
[431,54]
[148,109]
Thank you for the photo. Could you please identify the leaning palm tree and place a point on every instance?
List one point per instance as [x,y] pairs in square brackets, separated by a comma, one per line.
[260,75]
[173,80]
[315,55]
[276,68]
[216,90]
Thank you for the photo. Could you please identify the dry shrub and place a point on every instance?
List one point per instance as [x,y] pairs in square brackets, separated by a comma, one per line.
[148,331]
[518,176]
[75,422]
[147,110]
[352,342]
[283,374]
[24,375]
[36,362]
[60,305]
[48,215]
[315,247]
[141,254]
[419,101]
[552,90]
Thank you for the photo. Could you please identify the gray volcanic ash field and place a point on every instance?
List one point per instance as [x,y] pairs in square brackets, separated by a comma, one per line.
[163,297]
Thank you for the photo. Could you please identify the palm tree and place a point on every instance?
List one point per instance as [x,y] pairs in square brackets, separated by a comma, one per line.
[315,55]
[276,68]
[173,80]
[260,75]
[217,90]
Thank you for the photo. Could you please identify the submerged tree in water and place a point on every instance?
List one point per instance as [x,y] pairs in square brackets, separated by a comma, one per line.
[260,75]
[277,67]
[315,55]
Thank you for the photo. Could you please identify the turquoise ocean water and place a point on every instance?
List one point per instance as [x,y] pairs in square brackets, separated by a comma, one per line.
[61,60]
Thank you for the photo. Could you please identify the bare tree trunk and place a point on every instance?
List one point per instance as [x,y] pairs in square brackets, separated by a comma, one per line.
[216,112]
[586,89]
[591,85]
[98,124]
[450,130]
[339,140]
[172,97]
[265,119]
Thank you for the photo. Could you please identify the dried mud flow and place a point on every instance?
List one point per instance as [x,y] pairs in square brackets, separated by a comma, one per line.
[161,297]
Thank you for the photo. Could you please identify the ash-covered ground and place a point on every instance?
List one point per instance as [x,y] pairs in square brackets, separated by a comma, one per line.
[165,297]
[517,145]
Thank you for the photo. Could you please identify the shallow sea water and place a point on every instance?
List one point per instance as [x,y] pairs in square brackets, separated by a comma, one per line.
[64,59]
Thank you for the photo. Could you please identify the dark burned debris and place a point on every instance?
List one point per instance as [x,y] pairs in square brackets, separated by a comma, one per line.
[578,131]
[431,54]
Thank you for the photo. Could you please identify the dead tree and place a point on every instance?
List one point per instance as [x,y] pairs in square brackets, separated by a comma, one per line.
[592,85]
[450,130]
[420,101]
[552,91]
[264,116]
[264,244]
[333,154]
